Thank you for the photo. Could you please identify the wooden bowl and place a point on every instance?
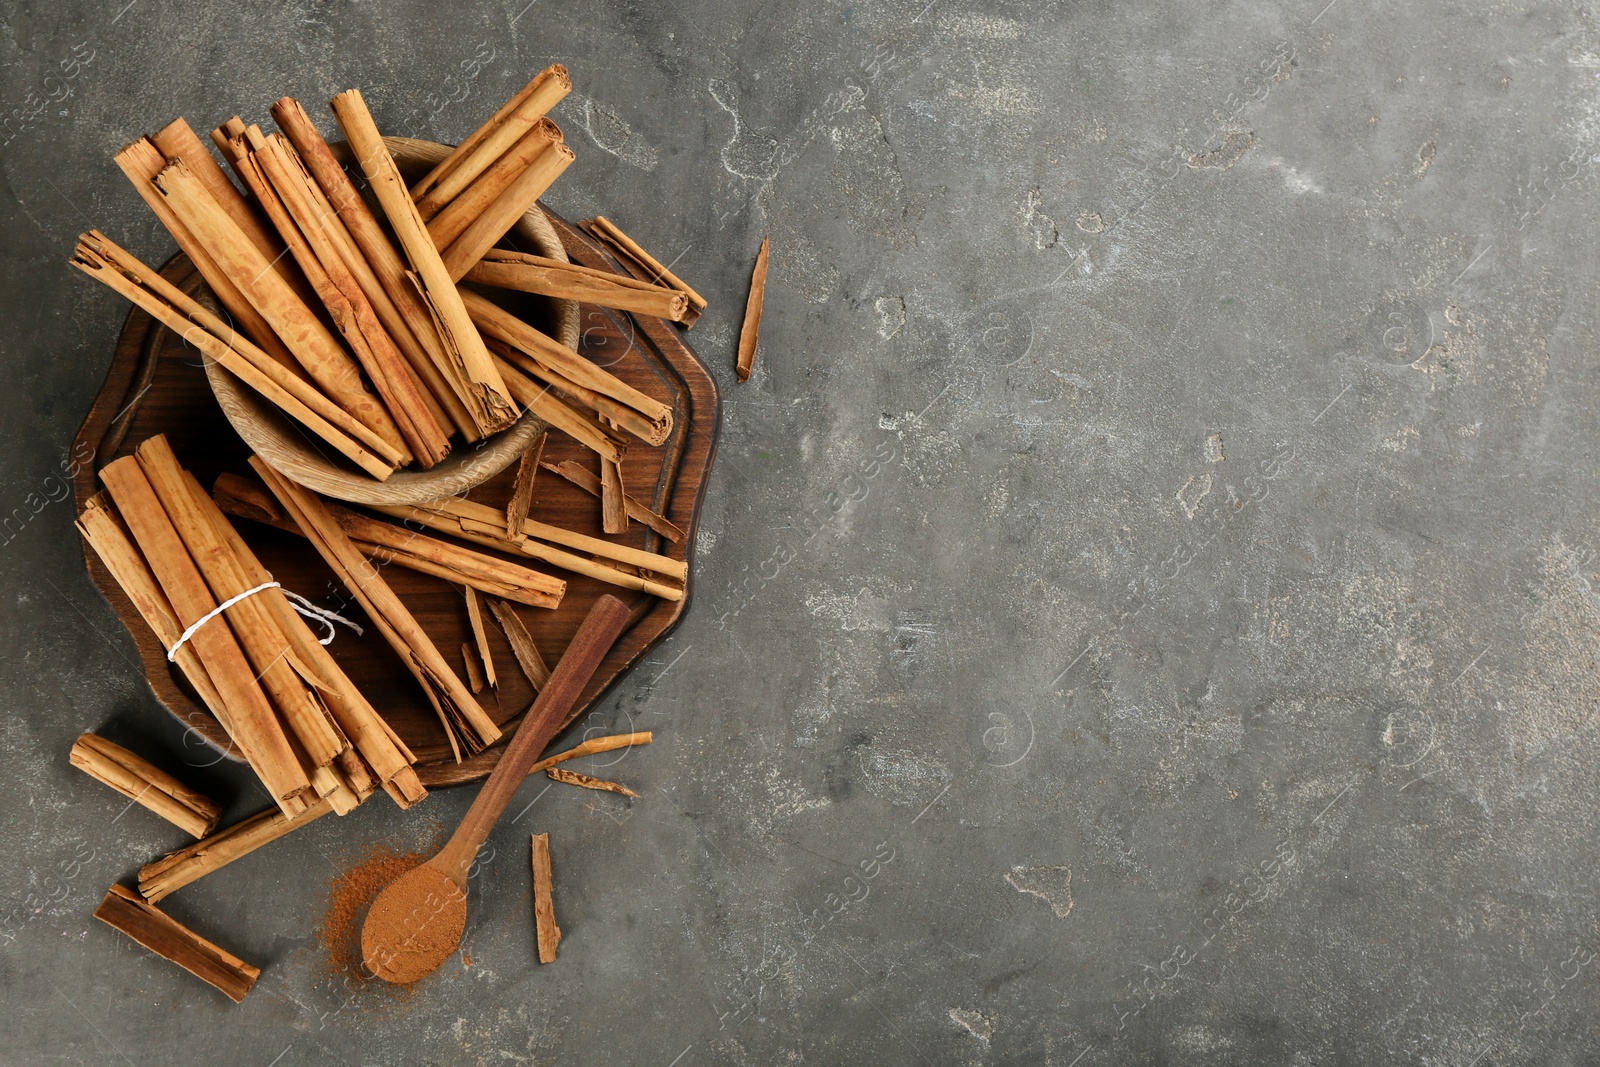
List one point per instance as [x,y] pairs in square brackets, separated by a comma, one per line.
[282,444]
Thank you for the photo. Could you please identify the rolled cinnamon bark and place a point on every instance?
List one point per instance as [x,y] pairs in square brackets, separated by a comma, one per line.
[470,371]
[453,221]
[346,303]
[376,263]
[549,353]
[102,260]
[385,542]
[464,720]
[514,202]
[488,142]
[145,784]
[316,349]
[178,141]
[253,623]
[165,876]
[141,162]
[527,273]
[608,231]
[124,911]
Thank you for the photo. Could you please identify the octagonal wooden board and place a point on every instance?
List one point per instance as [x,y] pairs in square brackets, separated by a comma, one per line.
[156,385]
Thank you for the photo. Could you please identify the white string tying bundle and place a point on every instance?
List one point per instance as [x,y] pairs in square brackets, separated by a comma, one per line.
[299,603]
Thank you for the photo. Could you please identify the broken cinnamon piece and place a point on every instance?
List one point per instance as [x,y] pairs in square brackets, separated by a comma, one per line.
[557,774]
[475,679]
[592,746]
[584,479]
[522,645]
[145,784]
[613,509]
[544,912]
[475,618]
[122,910]
[752,315]
[162,877]
[522,490]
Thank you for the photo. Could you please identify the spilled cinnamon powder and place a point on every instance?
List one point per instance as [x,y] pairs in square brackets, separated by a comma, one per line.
[349,897]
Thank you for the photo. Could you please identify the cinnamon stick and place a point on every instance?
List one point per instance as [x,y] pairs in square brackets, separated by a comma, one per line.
[470,371]
[450,223]
[558,774]
[101,259]
[376,263]
[522,490]
[122,910]
[608,415]
[503,213]
[161,878]
[386,543]
[506,269]
[346,302]
[310,342]
[489,141]
[492,534]
[141,162]
[547,352]
[544,912]
[177,140]
[105,533]
[475,620]
[586,480]
[608,231]
[752,315]
[463,719]
[253,725]
[549,407]
[521,642]
[613,509]
[488,520]
[145,784]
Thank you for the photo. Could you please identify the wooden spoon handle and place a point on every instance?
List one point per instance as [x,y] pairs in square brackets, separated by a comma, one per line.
[578,664]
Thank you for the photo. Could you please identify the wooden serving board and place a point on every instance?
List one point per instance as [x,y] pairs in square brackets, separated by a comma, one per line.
[156,385]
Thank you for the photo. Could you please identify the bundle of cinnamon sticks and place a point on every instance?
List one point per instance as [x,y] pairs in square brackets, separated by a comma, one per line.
[291,712]
[356,324]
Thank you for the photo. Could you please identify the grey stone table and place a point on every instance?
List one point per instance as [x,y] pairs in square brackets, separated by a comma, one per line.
[1145,604]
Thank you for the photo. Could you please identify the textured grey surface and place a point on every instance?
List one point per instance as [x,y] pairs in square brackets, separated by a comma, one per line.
[1160,520]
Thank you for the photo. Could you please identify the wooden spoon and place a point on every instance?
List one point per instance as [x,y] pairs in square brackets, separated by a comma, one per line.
[417,921]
